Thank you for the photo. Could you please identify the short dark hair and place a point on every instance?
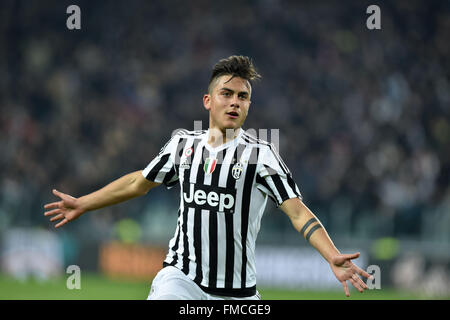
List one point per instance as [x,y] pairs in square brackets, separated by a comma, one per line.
[236,66]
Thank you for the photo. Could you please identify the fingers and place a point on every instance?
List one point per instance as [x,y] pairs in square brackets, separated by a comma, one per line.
[58,217]
[350,256]
[358,283]
[342,258]
[62,223]
[363,273]
[52,205]
[52,212]
[62,195]
[57,206]
[362,284]
[347,292]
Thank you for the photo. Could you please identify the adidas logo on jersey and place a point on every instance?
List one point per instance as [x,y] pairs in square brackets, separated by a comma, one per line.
[185,164]
[209,198]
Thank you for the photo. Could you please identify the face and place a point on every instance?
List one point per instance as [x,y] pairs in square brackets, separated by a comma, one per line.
[228,103]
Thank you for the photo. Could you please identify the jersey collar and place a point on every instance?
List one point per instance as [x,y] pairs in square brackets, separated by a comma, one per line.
[224,145]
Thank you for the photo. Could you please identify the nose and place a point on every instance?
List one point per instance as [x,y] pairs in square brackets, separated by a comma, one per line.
[235,102]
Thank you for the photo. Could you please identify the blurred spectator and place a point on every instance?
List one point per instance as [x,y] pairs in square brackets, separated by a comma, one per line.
[363,115]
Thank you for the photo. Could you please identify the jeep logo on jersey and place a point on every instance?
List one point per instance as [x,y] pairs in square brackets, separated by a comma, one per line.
[209,198]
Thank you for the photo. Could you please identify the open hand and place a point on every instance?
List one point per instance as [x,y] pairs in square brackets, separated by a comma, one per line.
[344,269]
[67,209]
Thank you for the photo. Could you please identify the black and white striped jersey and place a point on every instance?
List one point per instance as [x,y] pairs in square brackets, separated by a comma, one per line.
[223,192]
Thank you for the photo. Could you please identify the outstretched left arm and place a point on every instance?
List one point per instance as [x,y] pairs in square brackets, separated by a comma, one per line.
[305,222]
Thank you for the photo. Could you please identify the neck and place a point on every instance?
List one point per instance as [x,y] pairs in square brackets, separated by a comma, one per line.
[218,137]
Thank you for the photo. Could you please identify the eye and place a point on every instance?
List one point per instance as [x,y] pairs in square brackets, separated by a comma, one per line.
[226,93]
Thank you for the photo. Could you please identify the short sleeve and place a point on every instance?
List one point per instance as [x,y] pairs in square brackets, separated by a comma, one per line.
[162,168]
[274,178]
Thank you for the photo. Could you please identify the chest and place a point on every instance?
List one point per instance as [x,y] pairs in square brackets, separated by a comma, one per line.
[223,168]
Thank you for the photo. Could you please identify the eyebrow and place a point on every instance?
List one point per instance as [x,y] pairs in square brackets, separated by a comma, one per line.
[230,90]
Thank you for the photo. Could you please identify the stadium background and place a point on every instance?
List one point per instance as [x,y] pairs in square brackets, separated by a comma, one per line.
[363,119]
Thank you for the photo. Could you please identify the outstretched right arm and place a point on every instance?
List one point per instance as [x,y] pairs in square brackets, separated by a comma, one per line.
[125,188]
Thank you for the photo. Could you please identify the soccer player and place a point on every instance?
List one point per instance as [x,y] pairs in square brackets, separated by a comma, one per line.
[225,176]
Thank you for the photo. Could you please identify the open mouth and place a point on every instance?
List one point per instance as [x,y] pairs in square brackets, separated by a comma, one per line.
[233,114]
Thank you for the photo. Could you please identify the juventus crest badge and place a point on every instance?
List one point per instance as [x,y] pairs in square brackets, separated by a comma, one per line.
[237,170]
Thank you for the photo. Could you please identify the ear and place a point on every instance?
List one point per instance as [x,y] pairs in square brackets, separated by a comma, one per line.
[207,101]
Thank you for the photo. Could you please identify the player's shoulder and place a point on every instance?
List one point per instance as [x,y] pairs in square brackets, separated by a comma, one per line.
[184,133]
[265,147]
[251,138]
[178,134]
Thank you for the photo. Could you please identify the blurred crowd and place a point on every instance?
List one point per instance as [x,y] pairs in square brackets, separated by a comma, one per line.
[363,114]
